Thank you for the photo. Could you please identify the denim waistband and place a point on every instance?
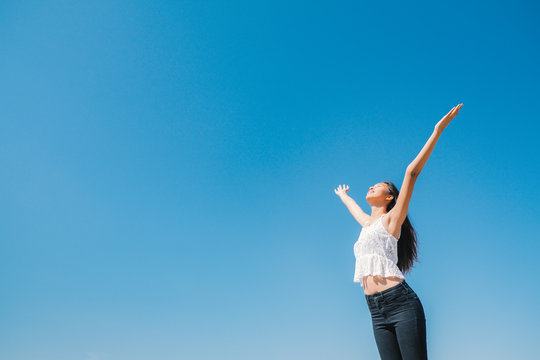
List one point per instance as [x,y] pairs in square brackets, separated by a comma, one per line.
[390,291]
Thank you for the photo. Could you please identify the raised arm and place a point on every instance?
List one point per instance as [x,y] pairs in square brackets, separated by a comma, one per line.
[419,162]
[355,210]
[399,211]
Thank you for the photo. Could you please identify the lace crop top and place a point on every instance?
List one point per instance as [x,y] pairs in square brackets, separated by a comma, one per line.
[376,253]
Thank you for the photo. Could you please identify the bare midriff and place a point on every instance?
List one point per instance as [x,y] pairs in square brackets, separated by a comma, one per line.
[377,283]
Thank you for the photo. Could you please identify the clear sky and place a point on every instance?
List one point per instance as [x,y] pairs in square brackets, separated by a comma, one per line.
[168,172]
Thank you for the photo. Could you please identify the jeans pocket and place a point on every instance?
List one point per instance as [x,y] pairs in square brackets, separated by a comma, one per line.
[409,293]
[399,301]
[412,295]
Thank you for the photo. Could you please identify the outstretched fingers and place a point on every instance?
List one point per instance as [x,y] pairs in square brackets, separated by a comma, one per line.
[456,109]
[452,113]
[341,189]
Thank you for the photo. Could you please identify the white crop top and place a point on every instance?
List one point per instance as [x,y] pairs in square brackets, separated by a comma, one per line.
[376,253]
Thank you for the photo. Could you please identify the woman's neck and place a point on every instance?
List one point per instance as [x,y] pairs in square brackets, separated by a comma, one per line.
[377,211]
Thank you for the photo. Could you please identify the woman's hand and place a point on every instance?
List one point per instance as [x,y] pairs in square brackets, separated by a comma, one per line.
[447,118]
[341,190]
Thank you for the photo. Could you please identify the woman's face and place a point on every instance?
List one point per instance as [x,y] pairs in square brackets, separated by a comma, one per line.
[377,193]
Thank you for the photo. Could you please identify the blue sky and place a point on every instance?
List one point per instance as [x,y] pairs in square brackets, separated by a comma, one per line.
[168,172]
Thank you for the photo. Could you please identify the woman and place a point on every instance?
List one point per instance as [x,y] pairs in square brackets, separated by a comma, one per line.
[384,251]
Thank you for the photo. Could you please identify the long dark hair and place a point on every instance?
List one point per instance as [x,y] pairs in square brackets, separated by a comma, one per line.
[407,244]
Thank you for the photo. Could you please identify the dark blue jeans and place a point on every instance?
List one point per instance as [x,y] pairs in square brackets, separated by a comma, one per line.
[399,323]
